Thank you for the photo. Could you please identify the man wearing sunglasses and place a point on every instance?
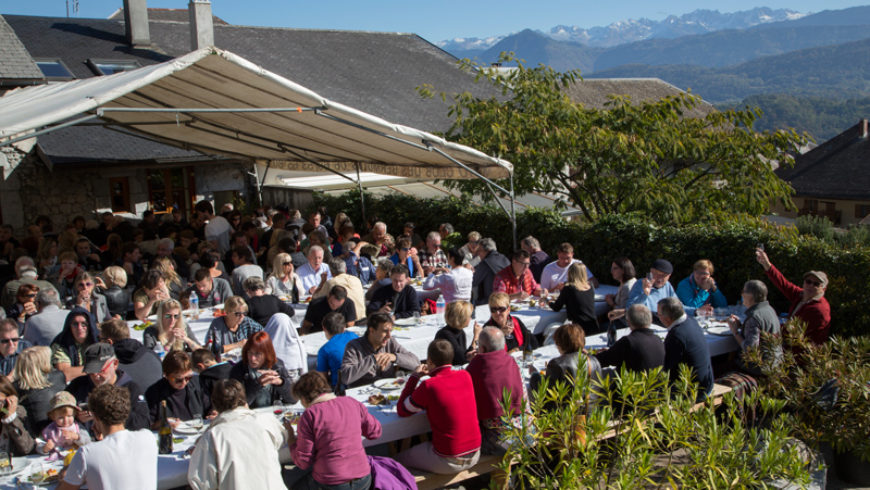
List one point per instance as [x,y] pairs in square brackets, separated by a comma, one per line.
[10,345]
[808,303]
[101,368]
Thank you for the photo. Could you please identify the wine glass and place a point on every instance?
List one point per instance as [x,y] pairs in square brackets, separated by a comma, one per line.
[196,423]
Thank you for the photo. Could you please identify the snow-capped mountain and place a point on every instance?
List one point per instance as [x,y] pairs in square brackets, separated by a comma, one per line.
[631,30]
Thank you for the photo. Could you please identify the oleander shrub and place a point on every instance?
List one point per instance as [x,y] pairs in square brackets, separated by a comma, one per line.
[729,245]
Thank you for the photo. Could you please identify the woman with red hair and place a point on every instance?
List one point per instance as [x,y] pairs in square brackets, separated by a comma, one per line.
[263,375]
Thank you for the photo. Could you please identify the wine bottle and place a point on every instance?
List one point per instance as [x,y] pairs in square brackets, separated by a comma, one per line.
[164,432]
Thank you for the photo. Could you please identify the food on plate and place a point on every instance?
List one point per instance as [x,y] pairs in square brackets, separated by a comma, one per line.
[515,307]
[143,326]
[392,398]
[219,312]
[378,399]
[48,476]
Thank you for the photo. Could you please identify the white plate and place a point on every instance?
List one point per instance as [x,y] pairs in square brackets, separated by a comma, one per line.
[389,384]
[405,322]
[723,331]
[185,429]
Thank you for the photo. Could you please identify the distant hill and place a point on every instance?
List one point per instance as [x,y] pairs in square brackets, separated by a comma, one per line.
[536,48]
[713,50]
[822,118]
[830,71]
[632,30]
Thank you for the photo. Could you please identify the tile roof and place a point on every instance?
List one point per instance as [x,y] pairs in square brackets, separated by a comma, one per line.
[166,15]
[837,169]
[85,144]
[15,61]
[595,92]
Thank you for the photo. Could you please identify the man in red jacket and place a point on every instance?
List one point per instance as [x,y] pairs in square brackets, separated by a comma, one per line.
[448,398]
[492,372]
[807,303]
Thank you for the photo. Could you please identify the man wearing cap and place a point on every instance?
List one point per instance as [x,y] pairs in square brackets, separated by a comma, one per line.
[808,303]
[101,367]
[655,287]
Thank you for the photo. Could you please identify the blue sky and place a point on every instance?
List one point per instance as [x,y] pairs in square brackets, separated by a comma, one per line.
[434,20]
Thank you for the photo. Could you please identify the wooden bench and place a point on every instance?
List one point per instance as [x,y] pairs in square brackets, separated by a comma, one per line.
[489,464]
[426,481]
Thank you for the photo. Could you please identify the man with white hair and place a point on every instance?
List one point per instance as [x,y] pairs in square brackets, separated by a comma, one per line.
[315,272]
[25,273]
[493,371]
[491,263]
[340,277]
[638,351]
[685,344]
[378,238]
[43,327]
[433,257]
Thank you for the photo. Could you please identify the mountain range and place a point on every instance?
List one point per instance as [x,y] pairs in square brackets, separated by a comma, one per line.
[794,66]
[631,30]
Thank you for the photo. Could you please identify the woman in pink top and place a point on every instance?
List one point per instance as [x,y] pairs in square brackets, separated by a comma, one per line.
[330,431]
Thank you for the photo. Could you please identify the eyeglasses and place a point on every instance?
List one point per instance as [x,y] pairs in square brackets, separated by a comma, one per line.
[812,283]
[498,309]
[171,315]
[287,263]
[406,249]
[9,341]
[31,296]
[182,379]
[238,313]
[85,284]
[524,264]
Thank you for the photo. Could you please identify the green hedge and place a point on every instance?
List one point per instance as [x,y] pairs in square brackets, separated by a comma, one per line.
[730,246]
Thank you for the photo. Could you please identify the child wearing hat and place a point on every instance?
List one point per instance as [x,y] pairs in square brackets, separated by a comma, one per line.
[63,432]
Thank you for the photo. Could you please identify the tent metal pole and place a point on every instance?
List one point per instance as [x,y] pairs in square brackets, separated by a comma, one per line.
[362,197]
[48,130]
[513,212]
[102,110]
[477,174]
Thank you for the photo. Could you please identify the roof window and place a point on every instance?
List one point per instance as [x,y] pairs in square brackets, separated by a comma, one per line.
[54,69]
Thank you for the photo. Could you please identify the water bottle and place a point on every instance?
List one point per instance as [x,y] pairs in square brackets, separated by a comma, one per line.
[439,305]
[194,304]
[160,350]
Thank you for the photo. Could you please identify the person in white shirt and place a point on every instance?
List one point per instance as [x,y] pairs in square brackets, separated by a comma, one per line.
[217,228]
[240,448]
[315,271]
[455,283]
[555,274]
[105,464]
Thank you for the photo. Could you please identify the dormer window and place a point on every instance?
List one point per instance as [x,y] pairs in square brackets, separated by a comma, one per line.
[110,67]
[54,69]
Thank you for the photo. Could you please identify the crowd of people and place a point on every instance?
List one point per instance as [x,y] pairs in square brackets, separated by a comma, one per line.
[73,378]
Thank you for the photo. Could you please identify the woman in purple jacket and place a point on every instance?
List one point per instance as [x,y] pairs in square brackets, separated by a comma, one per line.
[328,437]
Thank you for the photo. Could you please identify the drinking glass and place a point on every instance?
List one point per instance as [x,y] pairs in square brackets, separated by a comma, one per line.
[196,423]
[5,464]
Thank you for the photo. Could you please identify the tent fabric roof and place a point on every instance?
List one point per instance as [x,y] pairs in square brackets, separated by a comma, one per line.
[210,78]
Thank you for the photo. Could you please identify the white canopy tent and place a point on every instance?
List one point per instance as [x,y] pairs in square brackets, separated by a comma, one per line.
[215,102]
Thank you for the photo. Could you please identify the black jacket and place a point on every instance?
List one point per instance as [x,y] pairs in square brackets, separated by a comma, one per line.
[640,350]
[207,380]
[580,306]
[82,386]
[246,376]
[685,344]
[261,308]
[66,340]
[38,402]
[484,276]
[404,304]
[139,362]
[183,404]
[118,301]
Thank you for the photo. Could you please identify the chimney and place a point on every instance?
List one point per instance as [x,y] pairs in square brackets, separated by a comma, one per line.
[201,27]
[136,23]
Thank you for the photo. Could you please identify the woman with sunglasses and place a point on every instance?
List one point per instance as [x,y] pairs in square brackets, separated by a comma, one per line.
[283,281]
[807,303]
[85,297]
[516,335]
[179,388]
[24,306]
[407,256]
[170,331]
[67,349]
[263,375]
[232,330]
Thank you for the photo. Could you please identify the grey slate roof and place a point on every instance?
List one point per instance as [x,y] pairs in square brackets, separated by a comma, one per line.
[165,15]
[15,62]
[837,169]
[594,92]
[375,72]
[84,144]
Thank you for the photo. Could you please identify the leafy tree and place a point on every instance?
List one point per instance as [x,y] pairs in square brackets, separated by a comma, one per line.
[645,158]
